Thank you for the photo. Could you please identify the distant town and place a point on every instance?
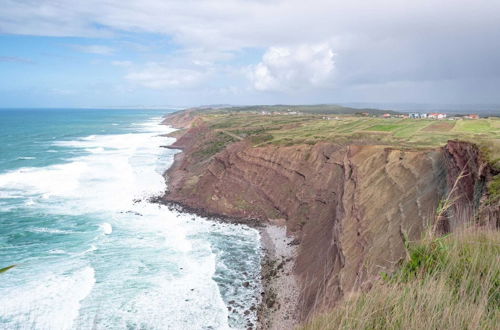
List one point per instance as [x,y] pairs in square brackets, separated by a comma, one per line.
[432,115]
[411,115]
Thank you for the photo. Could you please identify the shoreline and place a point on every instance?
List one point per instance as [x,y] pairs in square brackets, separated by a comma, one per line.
[280,302]
[279,298]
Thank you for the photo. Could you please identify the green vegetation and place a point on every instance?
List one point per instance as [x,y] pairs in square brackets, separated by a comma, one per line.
[286,129]
[494,190]
[450,282]
[214,145]
[3,270]
[383,127]
[476,126]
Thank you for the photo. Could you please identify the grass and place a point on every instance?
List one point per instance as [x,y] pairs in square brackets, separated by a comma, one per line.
[214,145]
[440,126]
[451,282]
[494,190]
[3,270]
[383,127]
[475,126]
[310,129]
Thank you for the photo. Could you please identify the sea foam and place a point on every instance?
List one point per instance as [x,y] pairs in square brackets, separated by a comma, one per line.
[156,268]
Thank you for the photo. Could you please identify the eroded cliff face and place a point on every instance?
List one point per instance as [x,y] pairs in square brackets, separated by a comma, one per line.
[467,176]
[350,206]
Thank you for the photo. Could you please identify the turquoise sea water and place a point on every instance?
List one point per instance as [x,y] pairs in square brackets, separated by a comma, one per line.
[90,251]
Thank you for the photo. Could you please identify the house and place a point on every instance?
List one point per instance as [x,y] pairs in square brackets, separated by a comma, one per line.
[435,115]
[417,115]
[472,116]
[386,115]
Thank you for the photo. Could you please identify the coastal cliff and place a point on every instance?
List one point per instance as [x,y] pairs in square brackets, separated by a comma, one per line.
[352,207]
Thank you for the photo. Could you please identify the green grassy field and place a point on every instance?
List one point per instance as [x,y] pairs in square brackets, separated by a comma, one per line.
[403,133]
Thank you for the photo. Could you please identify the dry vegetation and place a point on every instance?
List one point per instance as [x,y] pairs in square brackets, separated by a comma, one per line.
[451,282]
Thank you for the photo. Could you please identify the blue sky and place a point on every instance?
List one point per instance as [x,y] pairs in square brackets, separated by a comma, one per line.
[57,53]
[74,71]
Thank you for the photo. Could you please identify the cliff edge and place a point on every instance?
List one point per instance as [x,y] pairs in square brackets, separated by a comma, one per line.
[351,206]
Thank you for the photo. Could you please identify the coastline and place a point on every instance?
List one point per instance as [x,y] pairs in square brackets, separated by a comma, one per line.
[279,305]
[351,206]
[280,295]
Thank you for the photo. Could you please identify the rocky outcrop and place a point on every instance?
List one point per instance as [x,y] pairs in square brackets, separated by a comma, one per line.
[467,176]
[351,207]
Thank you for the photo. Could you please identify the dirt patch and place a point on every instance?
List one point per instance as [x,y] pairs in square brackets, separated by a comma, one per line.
[442,126]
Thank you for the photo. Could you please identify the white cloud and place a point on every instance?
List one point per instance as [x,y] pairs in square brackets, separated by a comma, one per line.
[124,64]
[376,42]
[160,76]
[294,68]
[95,49]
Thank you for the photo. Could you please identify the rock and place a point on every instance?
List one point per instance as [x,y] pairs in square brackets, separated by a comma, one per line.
[344,200]
[246,284]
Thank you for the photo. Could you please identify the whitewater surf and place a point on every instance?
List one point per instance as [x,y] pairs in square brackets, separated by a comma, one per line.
[92,251]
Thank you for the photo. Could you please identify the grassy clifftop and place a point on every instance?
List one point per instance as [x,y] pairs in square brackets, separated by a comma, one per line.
[283,129]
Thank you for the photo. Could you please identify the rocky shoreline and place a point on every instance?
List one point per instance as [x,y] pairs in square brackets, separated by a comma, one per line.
[280,295]
[279,306]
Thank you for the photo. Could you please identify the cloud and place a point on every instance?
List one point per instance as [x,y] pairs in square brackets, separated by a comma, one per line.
[15,59]
[376,43]
[294,68]
[124,64]
[95,49]
[161,76]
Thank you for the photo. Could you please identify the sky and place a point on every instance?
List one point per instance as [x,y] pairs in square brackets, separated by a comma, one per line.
[128,53]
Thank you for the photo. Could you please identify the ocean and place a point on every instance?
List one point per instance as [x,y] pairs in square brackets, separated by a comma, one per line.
[91,251]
